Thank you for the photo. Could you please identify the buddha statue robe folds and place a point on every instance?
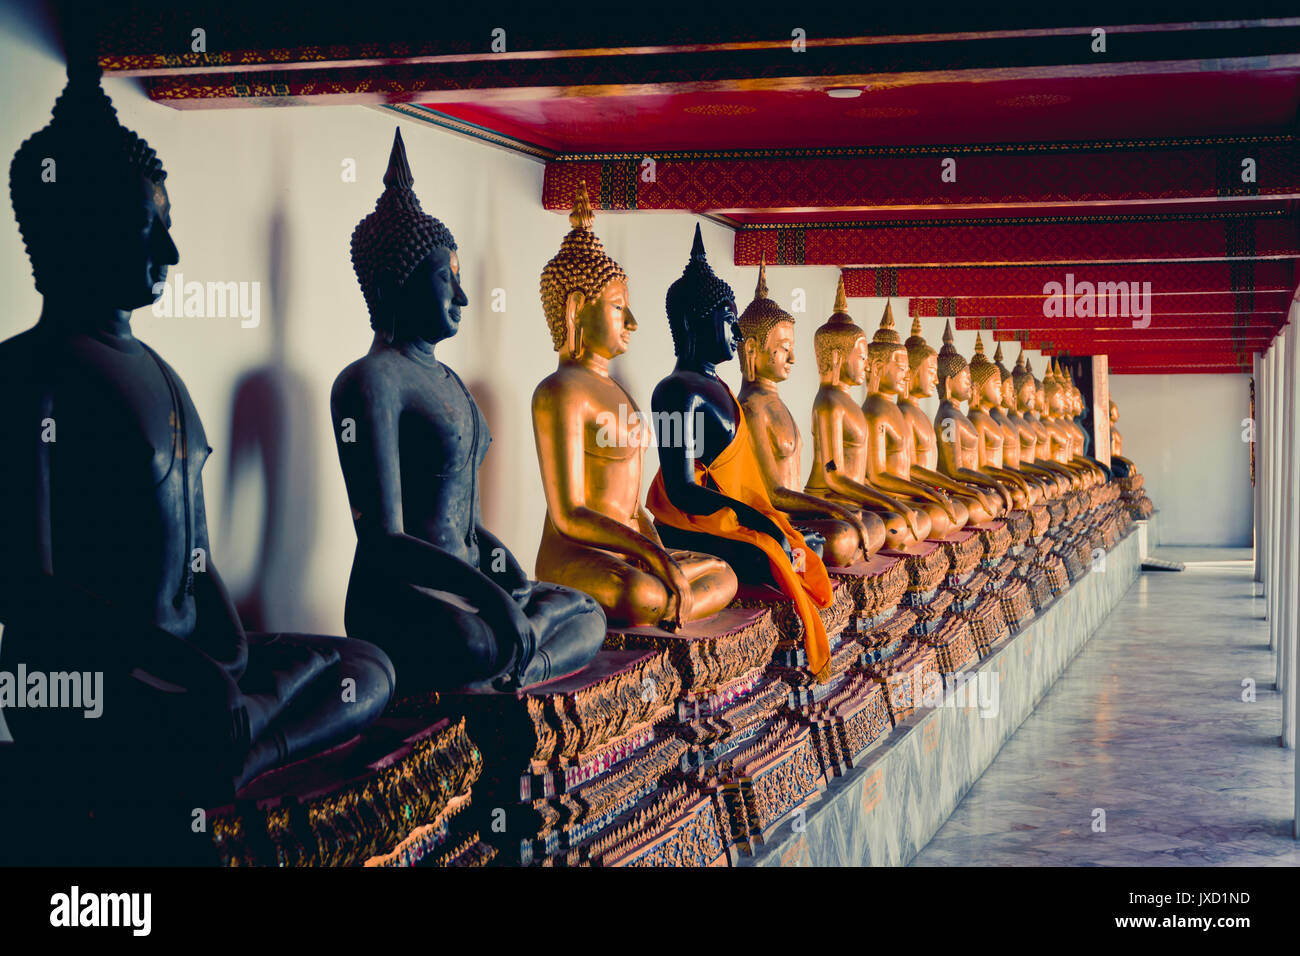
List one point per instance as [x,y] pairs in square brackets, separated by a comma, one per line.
[709,494]
[432,586]
[840,432]
[958,437]
[766,355]
[105,561]
[591,441]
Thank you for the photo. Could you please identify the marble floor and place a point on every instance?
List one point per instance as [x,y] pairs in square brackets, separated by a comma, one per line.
[1148,725]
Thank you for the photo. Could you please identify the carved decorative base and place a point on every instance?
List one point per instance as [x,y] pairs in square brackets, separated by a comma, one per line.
[1017,603]
[953,645]
[996,539]
[770,780]
[987,625]
[964,550]
[681,828]
[874,586]
[1041,518]
[709,653]
[786,618]
[903,677]
[926,564]
[1020,525]
[363,799]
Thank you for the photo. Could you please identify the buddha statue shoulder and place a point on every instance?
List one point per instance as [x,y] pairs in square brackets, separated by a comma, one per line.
[841,433]
[105,559]
[438,591]
[922,378]
[709,495]
[591,439]
[766,356]
[959,439]
[891,446]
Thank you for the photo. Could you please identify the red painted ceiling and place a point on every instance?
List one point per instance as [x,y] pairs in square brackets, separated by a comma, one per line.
[1155,106]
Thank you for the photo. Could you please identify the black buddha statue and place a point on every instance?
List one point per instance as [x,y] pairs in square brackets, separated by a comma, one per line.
[709,495]
[105,563]
[433,587]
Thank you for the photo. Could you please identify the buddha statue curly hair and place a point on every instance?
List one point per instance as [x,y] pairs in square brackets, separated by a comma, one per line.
[390,242]
[581,265]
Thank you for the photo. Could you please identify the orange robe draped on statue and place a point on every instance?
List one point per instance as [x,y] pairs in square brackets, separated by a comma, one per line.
[736,474]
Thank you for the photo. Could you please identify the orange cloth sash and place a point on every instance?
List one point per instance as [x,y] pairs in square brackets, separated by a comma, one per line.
[735,473]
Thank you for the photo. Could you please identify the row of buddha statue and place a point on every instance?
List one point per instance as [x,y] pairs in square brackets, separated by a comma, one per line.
[104,553]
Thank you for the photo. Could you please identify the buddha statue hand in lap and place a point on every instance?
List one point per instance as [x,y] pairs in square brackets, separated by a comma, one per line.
[840,442]
[105,561]
[709,494]
[766,355]
[591,440]
[438,591]
[958,437]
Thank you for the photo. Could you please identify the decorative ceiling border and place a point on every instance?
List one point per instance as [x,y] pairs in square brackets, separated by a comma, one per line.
[1014,221]
[471,130]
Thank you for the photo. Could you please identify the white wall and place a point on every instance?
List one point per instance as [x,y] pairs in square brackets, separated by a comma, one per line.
[1184,432]
[258,196]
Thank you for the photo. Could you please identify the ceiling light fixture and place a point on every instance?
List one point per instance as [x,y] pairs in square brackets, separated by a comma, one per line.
[844,92]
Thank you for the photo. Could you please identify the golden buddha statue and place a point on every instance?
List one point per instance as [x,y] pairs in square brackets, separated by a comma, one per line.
[1024,400]
[591,441]
[1001,413]
[959,440]
[1060,444]
[766,355]
[840,431]
[992,446]
[1123,467]
[922,377]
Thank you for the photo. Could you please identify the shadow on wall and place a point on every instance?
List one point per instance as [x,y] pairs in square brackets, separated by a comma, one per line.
[272,449]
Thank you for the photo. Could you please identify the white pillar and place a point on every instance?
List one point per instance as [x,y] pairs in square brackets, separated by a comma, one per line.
[1256,375]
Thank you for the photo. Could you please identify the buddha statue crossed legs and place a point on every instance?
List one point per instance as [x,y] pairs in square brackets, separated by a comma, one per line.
[591,439]
[767,352]
[438,591]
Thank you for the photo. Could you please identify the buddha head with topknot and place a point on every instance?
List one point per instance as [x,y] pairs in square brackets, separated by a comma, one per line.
[1040,392]
[90,202]
[954,373]
[767,336]
[1008,397]
[584,291]
[1022,379]
[922,364]
[702,311]
[406,262]
[984,375]
[887,357]
[840,345]
[1054,391]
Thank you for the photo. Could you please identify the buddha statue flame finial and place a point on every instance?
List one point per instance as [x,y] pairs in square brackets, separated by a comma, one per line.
[581,265]
[918,349]
[886,340]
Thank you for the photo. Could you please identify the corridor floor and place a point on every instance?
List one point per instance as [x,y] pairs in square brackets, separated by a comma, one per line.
[1148,725]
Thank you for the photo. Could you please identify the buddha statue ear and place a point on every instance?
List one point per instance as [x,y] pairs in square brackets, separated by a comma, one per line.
[837,363]
[749,359]
[573,304]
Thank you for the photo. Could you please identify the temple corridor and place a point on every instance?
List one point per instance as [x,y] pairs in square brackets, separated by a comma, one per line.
[1148,724]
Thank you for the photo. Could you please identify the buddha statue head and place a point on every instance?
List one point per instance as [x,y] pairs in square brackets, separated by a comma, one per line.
[1026,391]
[767,336]
[840,345]
[922,364]
[406,262]
[584,291]
[985,377]
[1008,397]
[887,357]
[1040,392]
[1114,412]
[1054,391]
[702,311]
[90,202]
[954,373]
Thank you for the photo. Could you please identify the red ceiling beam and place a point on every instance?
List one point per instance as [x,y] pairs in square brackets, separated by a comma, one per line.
[1146,337]
[1207,369]
[1030,307]
[1036,241]
[1066,175]
[1277,275]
